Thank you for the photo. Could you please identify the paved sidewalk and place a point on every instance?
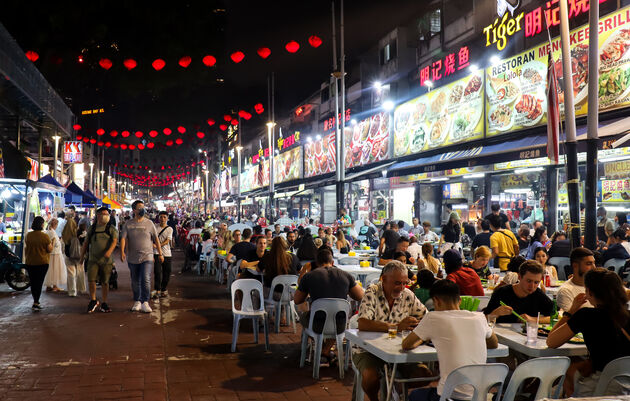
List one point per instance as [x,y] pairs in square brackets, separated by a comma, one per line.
[181,351]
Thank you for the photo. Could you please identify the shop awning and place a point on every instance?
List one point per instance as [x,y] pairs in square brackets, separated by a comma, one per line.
[86,199]
[112,203]
[98,201]
[354,176]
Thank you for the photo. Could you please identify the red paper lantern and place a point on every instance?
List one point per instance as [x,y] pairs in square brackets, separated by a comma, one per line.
[181,129]
[115,146]
[258,107]
[227,117]
[132,147]
[200,135]
[123,146]
[222,127]
[76,127]
[108,144]
[169,143]
[209,61]
[179,141]
[315,41]
[105,63]
[140,146]
[139,134]
[100,132]
[79,137]
[244,114]
[234,122]
[264,52]
[153,133]
[113,134]
[210,122]
[158,64]
[167,131]
[92,141]
[100,143]
[130,64]
[86,139]
[237,57]
[31,55]
[150,145]
[292,46]
[125,134]
[185,61]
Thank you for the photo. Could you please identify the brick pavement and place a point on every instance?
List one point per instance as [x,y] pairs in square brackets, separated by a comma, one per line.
[181,351]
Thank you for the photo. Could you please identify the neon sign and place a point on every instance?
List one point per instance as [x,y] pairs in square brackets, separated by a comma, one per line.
[534,19]
[445,67]
[499,32]
[329,124]
[285,143]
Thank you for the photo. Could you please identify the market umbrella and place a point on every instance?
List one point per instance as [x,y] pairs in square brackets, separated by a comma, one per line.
[112,203]
[238,226]
[284,221]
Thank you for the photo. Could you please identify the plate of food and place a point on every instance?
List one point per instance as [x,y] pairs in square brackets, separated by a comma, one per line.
[529,110]
[473,87]
[439,130]
[456,94]
[438,104]
[533,74]
[500,117]
[614,49]
[466,119]
[613,84]
[505,91]
[418,138]
[402,141]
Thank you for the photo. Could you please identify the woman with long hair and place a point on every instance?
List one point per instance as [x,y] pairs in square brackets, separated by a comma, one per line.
[539,239]
[37,252]
[307,250]
[451,234]
[56,276]
[605,328]
[541,256]
[278,261]
[342,244]
[428,261]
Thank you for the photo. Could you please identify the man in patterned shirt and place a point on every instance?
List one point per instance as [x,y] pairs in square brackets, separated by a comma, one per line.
[387,304]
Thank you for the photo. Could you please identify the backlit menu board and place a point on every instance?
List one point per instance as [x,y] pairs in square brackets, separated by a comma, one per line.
[515,87]
[287,166]
[256,176]
[320,156]
[368,141]
[444,116]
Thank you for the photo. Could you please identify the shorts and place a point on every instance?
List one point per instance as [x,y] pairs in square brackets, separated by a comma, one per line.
[102,272]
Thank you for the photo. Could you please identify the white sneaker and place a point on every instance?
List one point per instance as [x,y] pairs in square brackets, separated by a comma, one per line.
[136,306]
[146,308]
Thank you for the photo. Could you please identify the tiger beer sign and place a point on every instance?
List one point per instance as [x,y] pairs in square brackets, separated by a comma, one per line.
[72,152]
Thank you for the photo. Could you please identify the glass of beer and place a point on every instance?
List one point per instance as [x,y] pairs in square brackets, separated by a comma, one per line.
[391,332]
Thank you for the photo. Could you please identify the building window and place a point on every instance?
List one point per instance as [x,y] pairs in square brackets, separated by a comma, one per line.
[430,25]
[388,52]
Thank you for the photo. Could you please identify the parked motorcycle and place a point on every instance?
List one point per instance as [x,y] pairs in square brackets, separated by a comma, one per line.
[12,270]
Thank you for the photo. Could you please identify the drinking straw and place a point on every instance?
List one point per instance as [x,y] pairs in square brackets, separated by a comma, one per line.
[538,319]
[514,313]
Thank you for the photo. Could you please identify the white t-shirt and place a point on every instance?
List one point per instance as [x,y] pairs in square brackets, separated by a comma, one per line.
[567,293]
[194,231]
[167,234]
[415,251]
[459,338]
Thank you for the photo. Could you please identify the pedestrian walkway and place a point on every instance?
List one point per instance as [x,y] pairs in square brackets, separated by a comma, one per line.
[181,351]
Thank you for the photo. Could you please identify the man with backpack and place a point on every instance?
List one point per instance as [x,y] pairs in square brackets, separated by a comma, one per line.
[163,270]
[100,243]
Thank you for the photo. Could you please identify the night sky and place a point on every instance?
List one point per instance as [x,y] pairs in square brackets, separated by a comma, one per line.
[146,99]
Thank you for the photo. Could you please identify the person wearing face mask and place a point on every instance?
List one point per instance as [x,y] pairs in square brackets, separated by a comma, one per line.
[99,245]
[138,237]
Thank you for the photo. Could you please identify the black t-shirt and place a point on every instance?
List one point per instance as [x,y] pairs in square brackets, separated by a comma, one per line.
[522,243]
[481,239]
[530,305]
[561,249]
[252,256]
[266,262]
[451,233]
[242,249]
[391,239]
[503,216]
[389,254]
[604,341]
[327,283]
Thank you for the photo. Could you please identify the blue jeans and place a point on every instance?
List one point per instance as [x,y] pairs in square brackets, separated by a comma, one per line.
[141,280]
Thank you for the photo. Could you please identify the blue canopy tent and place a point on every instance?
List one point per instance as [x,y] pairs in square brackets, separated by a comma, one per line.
[48,179]
[98,201]
[48,189]
[78,197]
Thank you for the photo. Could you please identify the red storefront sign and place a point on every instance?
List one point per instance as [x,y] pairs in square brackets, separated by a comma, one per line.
[535,19]
[444,67]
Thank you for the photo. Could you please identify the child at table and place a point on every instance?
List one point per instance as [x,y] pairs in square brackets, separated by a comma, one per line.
[460,338]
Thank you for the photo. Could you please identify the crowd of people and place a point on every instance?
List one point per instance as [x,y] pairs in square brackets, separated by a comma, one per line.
[422,279]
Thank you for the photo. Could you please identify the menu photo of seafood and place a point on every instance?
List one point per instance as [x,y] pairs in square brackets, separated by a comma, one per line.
[368,141]
[288,165]
[320,156]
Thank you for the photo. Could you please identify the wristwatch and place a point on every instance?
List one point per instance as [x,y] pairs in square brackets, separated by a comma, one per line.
[567,314]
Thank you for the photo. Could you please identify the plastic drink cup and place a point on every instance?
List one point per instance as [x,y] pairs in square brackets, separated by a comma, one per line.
[532,332]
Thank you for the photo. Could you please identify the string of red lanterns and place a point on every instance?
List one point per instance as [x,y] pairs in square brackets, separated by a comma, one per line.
[185,61]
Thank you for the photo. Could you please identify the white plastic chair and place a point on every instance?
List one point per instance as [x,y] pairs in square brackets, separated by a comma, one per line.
[481,377]
[285,281]
[330,307]
[247,311]
[547,369]
[561,263]
[620,367]
[359,395]
[349,260]
[232,272]
[617,264]
[372,278]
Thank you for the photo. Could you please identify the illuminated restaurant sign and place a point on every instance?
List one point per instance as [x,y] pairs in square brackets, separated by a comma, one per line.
[444,67]
[506,24]
[368,140]
[288,142]
[72,152]
[535,19]
[329,124]
[287,166]
[319,156]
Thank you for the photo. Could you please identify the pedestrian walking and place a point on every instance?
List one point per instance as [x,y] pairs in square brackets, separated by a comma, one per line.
[99,245]
[38,248]
[56,277]
[137,239]
[163,269]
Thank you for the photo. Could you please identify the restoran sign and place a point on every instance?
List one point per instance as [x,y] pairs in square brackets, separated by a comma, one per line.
[506,24]
[72,152]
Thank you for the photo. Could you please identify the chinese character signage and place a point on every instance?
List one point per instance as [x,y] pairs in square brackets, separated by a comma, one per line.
[539,18]
[72,152]
[320,156]
[444,116]
[368,141]
[288,142]
[329,124]
[615,190]
[287,166]
[444,67]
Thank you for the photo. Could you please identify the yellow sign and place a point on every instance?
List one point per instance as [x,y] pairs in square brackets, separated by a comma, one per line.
[92,111]
[499,32]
